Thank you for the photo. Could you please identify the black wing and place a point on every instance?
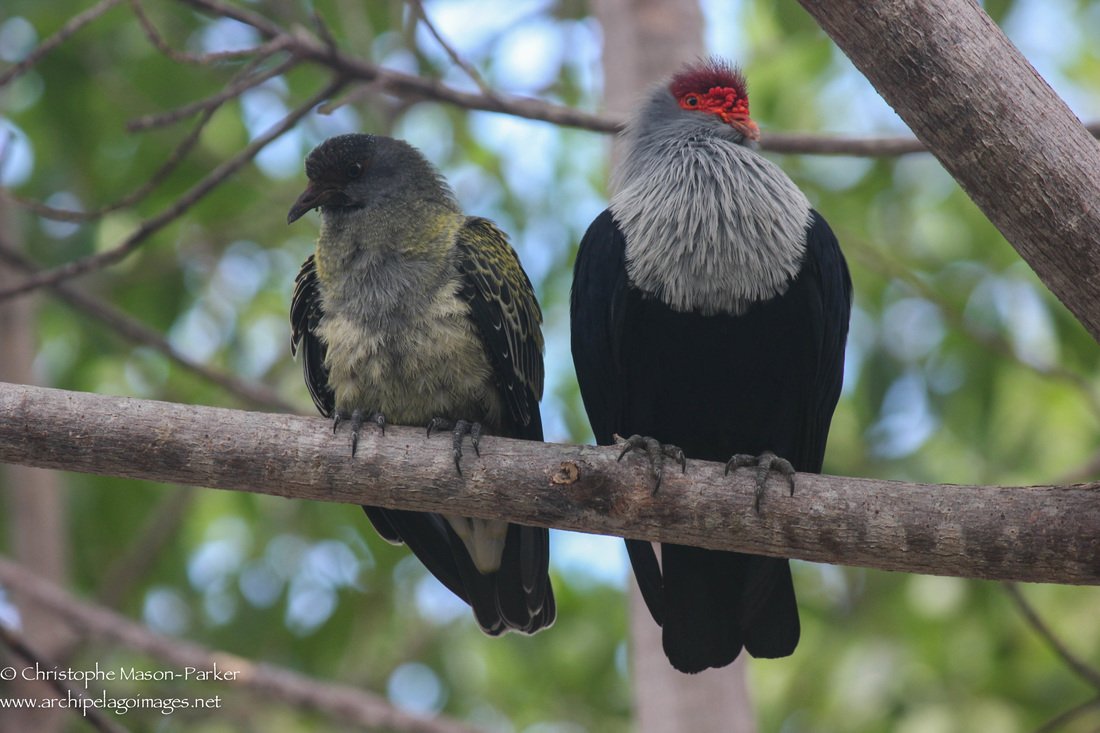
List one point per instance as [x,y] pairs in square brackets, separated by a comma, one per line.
[597,308]
[508,317]
[305,316]
[828,276]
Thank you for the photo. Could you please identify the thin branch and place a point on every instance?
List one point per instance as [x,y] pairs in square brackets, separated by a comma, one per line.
[475,76]
[338,701]
[170,164]
[178,208]
[1083,670]
[206,59]
[400,84]
[134,564]
[246,81]
[1060,721]
[64,690]
[63,34]
[249,393]
[206,106]
[1042,534]
[872,258]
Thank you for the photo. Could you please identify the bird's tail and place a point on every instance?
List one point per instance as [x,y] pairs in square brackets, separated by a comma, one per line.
[712,604]
[517,596]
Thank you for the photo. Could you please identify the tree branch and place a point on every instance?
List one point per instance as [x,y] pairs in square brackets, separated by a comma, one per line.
[253,394]
[73,25]
[995,125]
[1083,670]
[308,47]
[1040,533]
[61,688]
[179,207]
[337,701]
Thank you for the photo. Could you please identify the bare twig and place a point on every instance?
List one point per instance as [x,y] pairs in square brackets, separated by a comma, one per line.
[63,34]
[178,154]
[418,8]
[178,208]
[63,689]
[1037,533]
[338,701]
[143,550]
[1060,721]
[408,85]
[874,259]
[206,106]
[1084,671]
[158,41]
[244,83]
[129,328]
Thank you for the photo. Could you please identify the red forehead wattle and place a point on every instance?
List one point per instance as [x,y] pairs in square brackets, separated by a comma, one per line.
[704,79]
[727,99]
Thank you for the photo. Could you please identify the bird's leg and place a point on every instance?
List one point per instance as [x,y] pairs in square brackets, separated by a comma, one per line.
[655,451]
[764,463]
[459,429]
[357,418]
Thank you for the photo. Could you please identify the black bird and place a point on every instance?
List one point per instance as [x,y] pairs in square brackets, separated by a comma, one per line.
[710,311]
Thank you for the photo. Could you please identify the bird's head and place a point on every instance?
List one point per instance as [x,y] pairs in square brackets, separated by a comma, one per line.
[350,172]
[714,88]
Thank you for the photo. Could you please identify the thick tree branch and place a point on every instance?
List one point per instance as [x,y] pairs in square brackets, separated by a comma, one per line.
[995,125]
[1041,534]
[340,702]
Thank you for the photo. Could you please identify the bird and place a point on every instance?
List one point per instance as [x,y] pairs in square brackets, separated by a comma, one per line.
[709,315]
[411,312]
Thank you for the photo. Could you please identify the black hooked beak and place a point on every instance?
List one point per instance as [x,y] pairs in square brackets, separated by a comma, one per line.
[314,197]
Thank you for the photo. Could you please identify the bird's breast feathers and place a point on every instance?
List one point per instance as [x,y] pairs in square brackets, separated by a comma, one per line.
[710,225]
[425,365]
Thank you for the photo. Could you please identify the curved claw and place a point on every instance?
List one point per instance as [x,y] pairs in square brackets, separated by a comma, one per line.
[764,463]
[656,452]
[438,423]
[459,428]
[357,419]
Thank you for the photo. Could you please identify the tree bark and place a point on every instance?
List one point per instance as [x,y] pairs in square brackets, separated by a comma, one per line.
[995,125]
[1035,534]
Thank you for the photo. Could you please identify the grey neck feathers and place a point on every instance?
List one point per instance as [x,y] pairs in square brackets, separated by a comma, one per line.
[711,226]
[384,263]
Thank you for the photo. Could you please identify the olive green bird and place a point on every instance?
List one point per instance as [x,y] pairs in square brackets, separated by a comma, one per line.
[412,312]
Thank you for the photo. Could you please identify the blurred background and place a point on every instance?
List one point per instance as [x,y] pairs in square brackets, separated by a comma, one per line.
[961,367]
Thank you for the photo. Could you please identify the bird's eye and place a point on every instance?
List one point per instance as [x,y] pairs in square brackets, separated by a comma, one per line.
[355,170]
[691,100]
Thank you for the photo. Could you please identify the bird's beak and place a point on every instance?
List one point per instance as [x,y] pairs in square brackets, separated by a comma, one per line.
[313,197]
[744,125]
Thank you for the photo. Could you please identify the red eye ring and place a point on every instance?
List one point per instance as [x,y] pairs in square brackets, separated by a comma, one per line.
[691,100]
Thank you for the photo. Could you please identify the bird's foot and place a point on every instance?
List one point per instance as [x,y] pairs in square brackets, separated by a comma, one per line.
[764,464]
[655,451]
[459,429]
[357,418]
